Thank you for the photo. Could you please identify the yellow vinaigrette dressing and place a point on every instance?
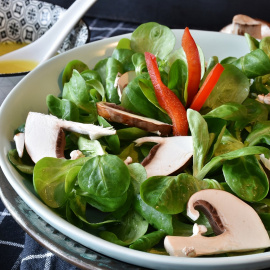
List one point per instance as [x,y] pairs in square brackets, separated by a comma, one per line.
[14,66]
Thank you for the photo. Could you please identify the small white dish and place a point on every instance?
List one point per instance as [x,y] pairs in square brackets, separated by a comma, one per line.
[43,81]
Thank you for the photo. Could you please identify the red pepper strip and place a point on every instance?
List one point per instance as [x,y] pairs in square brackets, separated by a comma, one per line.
[193,63]
[167,99]
[207,87]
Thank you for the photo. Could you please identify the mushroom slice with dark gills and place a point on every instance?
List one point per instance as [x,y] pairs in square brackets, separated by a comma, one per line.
[169,155]
[237,225]
[45,137]
[118,114]
[244,24]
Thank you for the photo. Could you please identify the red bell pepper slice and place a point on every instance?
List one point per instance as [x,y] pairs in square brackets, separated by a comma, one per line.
[167,99]
[193,63]
[207,87]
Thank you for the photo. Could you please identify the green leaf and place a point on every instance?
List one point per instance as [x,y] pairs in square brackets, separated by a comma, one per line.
[91,75]
[138,175]
[105,176]
[149,92]
[246,178]
[253,43]
[154,38]
[178,79]
[24,166]
[139,63]
[133,99]
[201,139]
[63,108]
[131,228]
[256,112]
[90,148]
[130,151]
[97,85]
[124,56]
[210,64]
[124,43]
[77,91]
[245,151]
[216,129]
[131,133]
[106,203]
[74,64]
[265,45]
[157,219]
[49,179]
[232,86]
[147,241]
[254,64]
[71,179]
[112,141]
[113,67]
[230,111]
[79,207]
[227,144]
[260,134]
[169,194]
[100,68]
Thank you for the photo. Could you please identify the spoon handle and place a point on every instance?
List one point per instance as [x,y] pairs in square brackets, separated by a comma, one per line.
[46,46]
[57,34]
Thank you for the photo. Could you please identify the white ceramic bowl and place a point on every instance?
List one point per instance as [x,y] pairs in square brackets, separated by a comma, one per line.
[43,81]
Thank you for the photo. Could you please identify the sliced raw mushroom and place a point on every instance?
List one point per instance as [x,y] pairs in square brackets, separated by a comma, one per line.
[19,142]
[264,98]
[123,81]
[45,137]
[240,26]
[169,155]
[237,225]
[76,154]
[118,114]
[128,160]
[244,24]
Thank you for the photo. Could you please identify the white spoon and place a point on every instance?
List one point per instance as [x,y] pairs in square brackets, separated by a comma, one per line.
[46,46]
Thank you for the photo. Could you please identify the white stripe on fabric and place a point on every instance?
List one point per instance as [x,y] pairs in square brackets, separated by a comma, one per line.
[48,262]
[11,244]
[38,256]
[17,263]
[3,215]
[93,23]
[114,29]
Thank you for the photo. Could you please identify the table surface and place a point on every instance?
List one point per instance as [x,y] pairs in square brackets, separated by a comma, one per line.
[19,250]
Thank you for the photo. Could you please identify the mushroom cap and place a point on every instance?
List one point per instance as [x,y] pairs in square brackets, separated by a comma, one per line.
[44,136]
[243,229]
[168,156]
[242,24]
[245,20]
[123,81]
[118,114]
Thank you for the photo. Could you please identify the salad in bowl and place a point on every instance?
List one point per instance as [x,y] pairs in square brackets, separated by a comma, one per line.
[156,148]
